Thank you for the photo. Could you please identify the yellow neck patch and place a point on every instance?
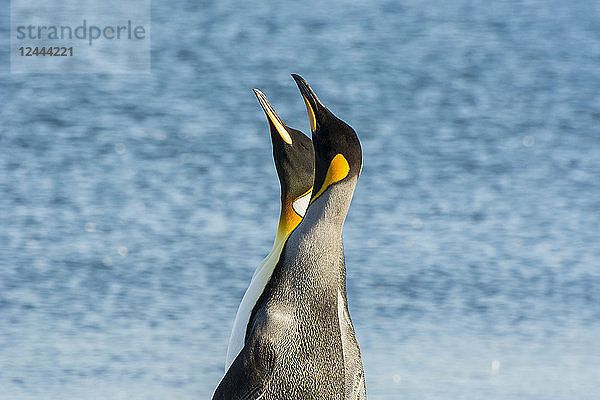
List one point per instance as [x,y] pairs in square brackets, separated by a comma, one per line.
[338,170]
[280,128]
[288,221]
[291,216]
[311,115]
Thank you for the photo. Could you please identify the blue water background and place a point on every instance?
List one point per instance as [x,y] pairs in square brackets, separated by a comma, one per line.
[134,208]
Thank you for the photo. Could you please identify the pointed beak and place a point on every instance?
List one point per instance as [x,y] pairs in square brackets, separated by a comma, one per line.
[310,99]
[272,116]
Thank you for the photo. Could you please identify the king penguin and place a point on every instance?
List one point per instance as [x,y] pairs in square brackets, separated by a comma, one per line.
[299,341]
[293,155]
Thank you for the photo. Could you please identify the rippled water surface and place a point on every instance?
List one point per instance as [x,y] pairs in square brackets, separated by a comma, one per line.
[134,208]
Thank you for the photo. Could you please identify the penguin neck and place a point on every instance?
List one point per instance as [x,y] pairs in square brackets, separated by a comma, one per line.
[315,250]
[331,207]
[288,221]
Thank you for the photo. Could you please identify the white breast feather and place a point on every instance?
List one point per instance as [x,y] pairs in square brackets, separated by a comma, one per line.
[257,286]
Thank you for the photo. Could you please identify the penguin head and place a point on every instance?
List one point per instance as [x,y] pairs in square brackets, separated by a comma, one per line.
[293,154]
[338,155]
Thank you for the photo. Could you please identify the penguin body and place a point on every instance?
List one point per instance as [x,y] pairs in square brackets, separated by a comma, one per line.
[338,164]
[293,155]
[299,342]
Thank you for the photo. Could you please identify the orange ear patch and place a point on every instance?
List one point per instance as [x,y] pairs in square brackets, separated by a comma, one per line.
[338,170]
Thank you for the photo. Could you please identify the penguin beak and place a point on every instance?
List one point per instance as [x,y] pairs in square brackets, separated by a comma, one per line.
[313,104]
[272,116]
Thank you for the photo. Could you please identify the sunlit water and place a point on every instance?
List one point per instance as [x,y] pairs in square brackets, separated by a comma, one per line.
[134,208]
